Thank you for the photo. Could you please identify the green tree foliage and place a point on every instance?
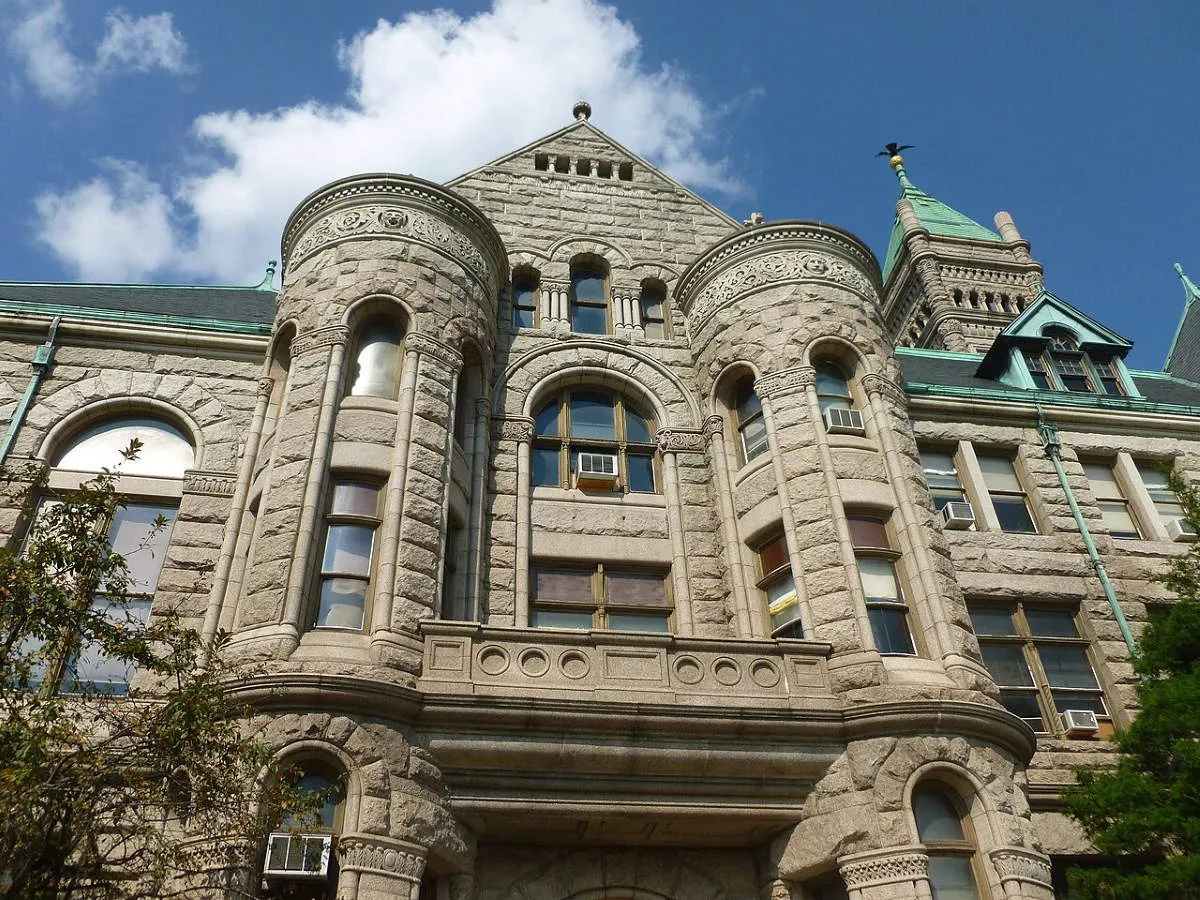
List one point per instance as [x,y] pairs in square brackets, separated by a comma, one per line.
[1145,811]
[157,793]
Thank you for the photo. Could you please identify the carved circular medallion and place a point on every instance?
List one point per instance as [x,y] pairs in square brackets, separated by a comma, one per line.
[764,673]
[726,671]
[534,662]
[574,664]
[688,669]
[493,660]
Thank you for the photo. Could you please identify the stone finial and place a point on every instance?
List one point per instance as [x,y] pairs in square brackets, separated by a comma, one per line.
[582,110]
[756,218]
[268,282]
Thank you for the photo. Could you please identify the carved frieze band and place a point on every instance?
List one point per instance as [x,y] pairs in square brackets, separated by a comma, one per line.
[214,484]
[679,440]
[1015,864]
[424,345]
[392,221]
[786,265]
[788,381]
[330,336]
[885,869]
[363,853]
[513,428]
[885,387]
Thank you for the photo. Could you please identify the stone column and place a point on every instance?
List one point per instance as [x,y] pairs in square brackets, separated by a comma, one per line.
[476,521]
[379,868]
[670,442]
[714,430]
[521,429]
[892,874]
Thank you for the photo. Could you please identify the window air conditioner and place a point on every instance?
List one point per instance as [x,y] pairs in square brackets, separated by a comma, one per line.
[1079,723]
[843,421]
[596,470]
[298,855]
[1180,530]
[957,516]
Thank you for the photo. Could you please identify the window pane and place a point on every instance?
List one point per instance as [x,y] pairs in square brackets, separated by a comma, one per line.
[1120,523]
[1102,480]
[992,620]
[641,472]
[341,603]
[546,421]
[878,578]
[589,287]
[1051,622]
[134,536]
[348,550]
[1007,664]
[352,499]
[1013,515]
[523,318]
[890,630]
[1154,478]
[563,587]
[951,878]
[545,466]
[636,429]
[553,618]
[165,452]
[638,622]
[1064,700]
[754,438]
[999,474]
[831,382]
[940,470]
[1066,667]
[377,366]
[773,555]
[632,589]
[313,783]
[588,319]
[937,818]
[592,417]
[652,305]
[785,611]
[523,295]
[868,533]
[1024,705]
[91,670]
[748,404]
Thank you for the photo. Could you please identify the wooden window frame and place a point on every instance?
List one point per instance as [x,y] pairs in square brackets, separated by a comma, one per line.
[1121,499]
[601,607]
[826,399]
[579,273]
[663,320]
[991,494]
[966,847]
[900,604]
[939,493]
[533,283]
[777,575]
[331,519]
[741,425]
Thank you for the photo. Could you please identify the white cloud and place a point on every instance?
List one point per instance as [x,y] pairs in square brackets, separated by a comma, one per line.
[433,94]
[129,44]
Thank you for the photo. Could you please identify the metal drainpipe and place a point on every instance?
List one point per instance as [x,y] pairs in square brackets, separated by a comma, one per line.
[1053,447]
[43,355]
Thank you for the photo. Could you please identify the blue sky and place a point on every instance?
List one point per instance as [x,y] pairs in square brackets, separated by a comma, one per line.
[154,140]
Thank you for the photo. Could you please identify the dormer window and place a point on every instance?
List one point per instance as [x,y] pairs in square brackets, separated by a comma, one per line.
[1063,366]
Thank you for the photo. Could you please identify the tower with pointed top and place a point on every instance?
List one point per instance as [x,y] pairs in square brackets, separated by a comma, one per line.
[949,282]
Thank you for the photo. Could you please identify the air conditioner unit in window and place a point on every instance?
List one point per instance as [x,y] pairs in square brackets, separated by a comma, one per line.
[843,421]
[298,855]
[596,471]
[957,515]
[1180,530]
[1079,723]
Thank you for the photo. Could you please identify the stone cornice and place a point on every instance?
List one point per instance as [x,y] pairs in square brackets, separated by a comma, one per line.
[951,717]
[213,484]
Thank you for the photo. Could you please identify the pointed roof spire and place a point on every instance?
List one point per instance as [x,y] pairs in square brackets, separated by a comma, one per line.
[1189,287]
[268,282]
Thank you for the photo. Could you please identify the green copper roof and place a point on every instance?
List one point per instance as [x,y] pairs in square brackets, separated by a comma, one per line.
[935,216]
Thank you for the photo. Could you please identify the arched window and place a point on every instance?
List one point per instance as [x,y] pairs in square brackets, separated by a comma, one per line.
[299,857]
[833,392]
[589,299]
[751,425]
[942,828]
[589,438]
[375,368]
[525,283]
[164,451]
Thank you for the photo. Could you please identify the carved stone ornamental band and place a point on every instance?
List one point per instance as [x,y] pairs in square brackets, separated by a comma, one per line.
[214,484]
[513,429]
[427,346]
[881,869]
[679,440]
[877,384]
[788,381]
[1015,864]
[714,426]
[329,336]
[373,854]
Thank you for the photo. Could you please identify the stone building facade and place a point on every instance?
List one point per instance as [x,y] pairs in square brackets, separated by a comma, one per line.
[602,546]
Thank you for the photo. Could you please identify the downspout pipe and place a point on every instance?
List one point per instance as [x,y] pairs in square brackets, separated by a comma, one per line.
[43,355]
[1052,444]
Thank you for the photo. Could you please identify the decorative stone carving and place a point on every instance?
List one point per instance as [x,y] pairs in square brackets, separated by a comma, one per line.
[679,440]
[483,406]
[372,854]
[330,336]
[886,388]
[265,386]
[770,268]
[424,345]
[213,484]
[885,869]
[714,426]
[1013,863]
[788,381]
[514,428]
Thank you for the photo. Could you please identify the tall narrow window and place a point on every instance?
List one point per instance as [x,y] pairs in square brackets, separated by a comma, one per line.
[779,588]
[525,298]
[601,597]
[589,301]
[941,474]
[1157,486]
[1070,365]
[886,608]
[347,563]
[941,829]
[582,431]
[654,310]
[1110,378]
[1109,498]
[1006,493]
[751,425]
[375,371]
[832,390]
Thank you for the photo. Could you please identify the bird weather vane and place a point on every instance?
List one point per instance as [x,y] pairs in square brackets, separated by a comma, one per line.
[893,149]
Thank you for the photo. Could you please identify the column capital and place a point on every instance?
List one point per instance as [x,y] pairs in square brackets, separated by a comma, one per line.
[265,386]
[387,856]
[714,427]
[513,428]
[787,381]
[862,870]
[679,440]
[424,345]
[1019,864]
[320,338]
[886,388]
[483,406]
